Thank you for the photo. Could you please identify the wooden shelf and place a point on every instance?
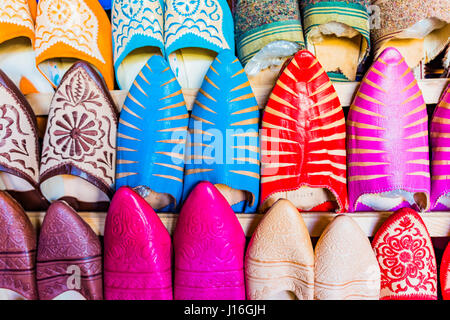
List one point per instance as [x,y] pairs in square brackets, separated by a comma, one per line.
[438,223]
[431,89]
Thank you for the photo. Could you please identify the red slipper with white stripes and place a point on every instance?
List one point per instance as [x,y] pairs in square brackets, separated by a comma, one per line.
[303,140]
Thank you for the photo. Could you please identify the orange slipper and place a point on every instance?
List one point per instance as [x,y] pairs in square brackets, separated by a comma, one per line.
[16,44]
[72,30]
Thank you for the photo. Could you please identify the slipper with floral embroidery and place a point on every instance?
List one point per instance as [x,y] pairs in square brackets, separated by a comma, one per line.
[19,147]
[444,274]
[195,31]
[72,30]
[303,156]
[79,147]
[137,30]
[17,56]
[406,257]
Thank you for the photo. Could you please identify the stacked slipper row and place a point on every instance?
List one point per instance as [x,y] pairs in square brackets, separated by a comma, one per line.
[207,258]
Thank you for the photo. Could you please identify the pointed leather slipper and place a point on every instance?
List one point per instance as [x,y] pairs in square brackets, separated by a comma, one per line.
[279,263]
[338,34]
[209,248]
[138,251]
[17,252]
[303,157]
[19,147]
[151,137]
[421,34]
[445,273]
[72,30]
[406,257]
[440,165]
[387,129]
[194,33]
[223,145]
[17,56]
[69,258]
[345,266]
[137,31]
[79,147]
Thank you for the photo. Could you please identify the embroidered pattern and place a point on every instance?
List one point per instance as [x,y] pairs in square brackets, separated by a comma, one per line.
[70,22]
[80,131]
[18,140]
[136,17]
[16,12]
[202,18]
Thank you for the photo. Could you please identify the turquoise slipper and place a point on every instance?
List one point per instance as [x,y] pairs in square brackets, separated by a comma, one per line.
[223,145]
[152,135]
[137,30]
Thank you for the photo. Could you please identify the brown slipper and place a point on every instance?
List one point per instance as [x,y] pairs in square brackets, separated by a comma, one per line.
[19,147]
[79,148]
[69,258]
[17,252]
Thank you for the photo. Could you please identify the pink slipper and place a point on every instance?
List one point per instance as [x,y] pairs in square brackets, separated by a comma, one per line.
[445,274]
[209,248]
[138,251]
[406,257]
[69,258]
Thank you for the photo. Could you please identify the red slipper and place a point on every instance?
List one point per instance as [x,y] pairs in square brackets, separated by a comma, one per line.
[17,252]
[445,274]
[406,257]
[69,258]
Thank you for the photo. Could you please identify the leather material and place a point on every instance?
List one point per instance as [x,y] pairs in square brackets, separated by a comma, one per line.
[406,257]
[444,273]
[387,130]
[152,133]
[280,256]
[303,133]
[135,25]
[440,143]
[204,24]
[209,248]
[223,145]
[345,265]
[138,251]
[80,138]
[19,143]
[68,248]
[17,249]
[58,30]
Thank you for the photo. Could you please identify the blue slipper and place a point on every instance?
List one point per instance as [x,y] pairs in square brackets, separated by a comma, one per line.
[151,137]
[137,30]
[106,4]
[194,32]
[223,145]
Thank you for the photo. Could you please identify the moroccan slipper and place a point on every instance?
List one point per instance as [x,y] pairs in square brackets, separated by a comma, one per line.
[303,156]
[69,258]
[151,137]
[345,265]
[79,147]
[137,30]
[421,34]
[16,44]
[338,34]
[445,274]
[194,33]
[223,145]
[440,142]
[387,130]
[19,147]
[138,251]
[279,263]
[17,252]
[406,257]
[267,34]
[209,248]
[69,31]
